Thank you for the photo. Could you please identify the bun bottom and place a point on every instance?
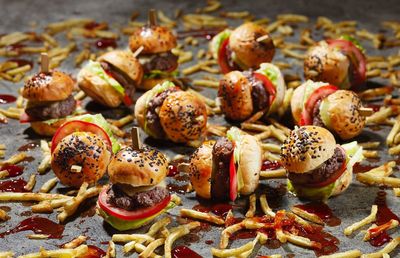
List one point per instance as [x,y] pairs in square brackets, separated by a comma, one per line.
[45,128]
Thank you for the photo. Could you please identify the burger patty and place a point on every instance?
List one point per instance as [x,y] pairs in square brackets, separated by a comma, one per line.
[166,62]
[323,172]
[317,120]
[51,110]
[259,95]
[123,79]
[153,122]
[221,156]
[118,198]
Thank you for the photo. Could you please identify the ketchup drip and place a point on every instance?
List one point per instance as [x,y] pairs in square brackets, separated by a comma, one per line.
[172,170]
[29,146]
[322,211]
[38,225]
[13,185]
[94,252]
[5,99]
[270,165]
[359,168]
[220,209]
[21,62]
[184,252]
[13,170]
[105,43]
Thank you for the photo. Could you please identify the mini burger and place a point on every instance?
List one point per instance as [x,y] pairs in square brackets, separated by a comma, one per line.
[112,79]
[340,62]
[224,169]
[167,112]
[322,104]
[137,193]
[81,150]
[246,47]
[242,94]
[159,63]
[317,167]
[50,101]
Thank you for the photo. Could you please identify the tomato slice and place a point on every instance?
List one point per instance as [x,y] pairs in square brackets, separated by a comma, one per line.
[222,59]
[268,85]
[130,215]
[232,179]
[24,118]
[356,57]
[79,126]
[127,100]
[318,94]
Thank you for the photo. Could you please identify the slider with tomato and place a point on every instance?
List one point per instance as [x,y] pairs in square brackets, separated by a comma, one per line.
[112,79]
[224,169]
[50,100]
[137,193]
[246,47]
[243,94]
[167,112]
[325,105]
[340,62]
[155,43]
[317,167]
[81,150]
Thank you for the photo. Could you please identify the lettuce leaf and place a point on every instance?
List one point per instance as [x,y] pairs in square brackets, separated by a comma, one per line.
[123,225]
[159,74]
[217,41]
[322,193]
[234,134]
[353,154]
[270,72]
[99,120]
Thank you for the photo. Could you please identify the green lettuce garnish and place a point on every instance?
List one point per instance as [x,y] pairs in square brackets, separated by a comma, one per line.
[321,193]
[159,74]
[353,154]
[270,72]
[217,41]
[354,41]
[99,120]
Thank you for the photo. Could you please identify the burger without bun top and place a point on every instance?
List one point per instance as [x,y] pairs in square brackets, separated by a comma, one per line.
[50,100]
[322,104]
[244,93]
[112,79]
[159,63]
[137,193]
[340,62]
[317,167]
[168,112]
[240,50]
[226,168]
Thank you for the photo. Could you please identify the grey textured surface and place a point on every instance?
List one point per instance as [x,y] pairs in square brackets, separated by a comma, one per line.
[19,15]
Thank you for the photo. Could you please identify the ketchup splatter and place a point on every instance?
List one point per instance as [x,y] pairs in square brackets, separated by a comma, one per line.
[92,25]
[13,170]
[184,252]
[322,211]
[94,252]
[181,189]
[270,165]
[359,168]
[13,185]
[381,239]
[374,107]
[105,43]
[172,170]
[5,98]
[29,146]
[38,225]
[220,209]
[21,62]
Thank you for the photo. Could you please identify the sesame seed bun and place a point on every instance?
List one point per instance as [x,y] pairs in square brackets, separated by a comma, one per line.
[345,119]
[53,86]
[126,63]
[82,149]
[45,128]
[235,95]
[183,117]
[144,167]
[154,39]
[306,148]
[243,42]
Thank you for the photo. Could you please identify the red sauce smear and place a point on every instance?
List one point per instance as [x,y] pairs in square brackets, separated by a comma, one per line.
[184,252]
[381,239]
[21,62]
[359,168]
[270,165]
[322,211]
[181,189]
[172,170]
[92,25]
[38,225]
[105,43]
[94,252]
[5,99]
[13,170]
[29,146]
[220,209]
[13,185]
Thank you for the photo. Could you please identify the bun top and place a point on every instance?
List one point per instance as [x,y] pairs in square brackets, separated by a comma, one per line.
[52,86]
[126,62]
[154,39]
[250,163]
[144,167]
[306,148]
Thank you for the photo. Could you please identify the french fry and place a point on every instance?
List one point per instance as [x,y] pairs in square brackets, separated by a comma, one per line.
[202,216]
[31,183]
[74,243]
[378,180]
[235,252]
[301,241]
[4,174]
[255,117]
[151,247]
[396,191]
[265,207]
[395,130]
[57,27]
[387,249]
[278,134]
[307,215]
[123,121]
[236,15]
[370,154]
[44,164]
[206,83]
[3,215]
[72,253]
[270,156]
[271,147]
[379,116]
[7,254]
[38,236]
[369,219]
[227,232]
[179,232]
[20,69]
[123,238]
[29,197]
[384,170]
[369,145]
[48,185]
[263,135]
[14,38]
[111,252]
[255,127]
[15,159]
[292,18]
[348,254]
[276,173]
[252,206]
[375,230]
[293,54]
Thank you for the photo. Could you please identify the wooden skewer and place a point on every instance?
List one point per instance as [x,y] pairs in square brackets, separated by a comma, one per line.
[262,38]
[136,144]
[44,63]
[76,169]
[366,111]
[138,51]
[152,17]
